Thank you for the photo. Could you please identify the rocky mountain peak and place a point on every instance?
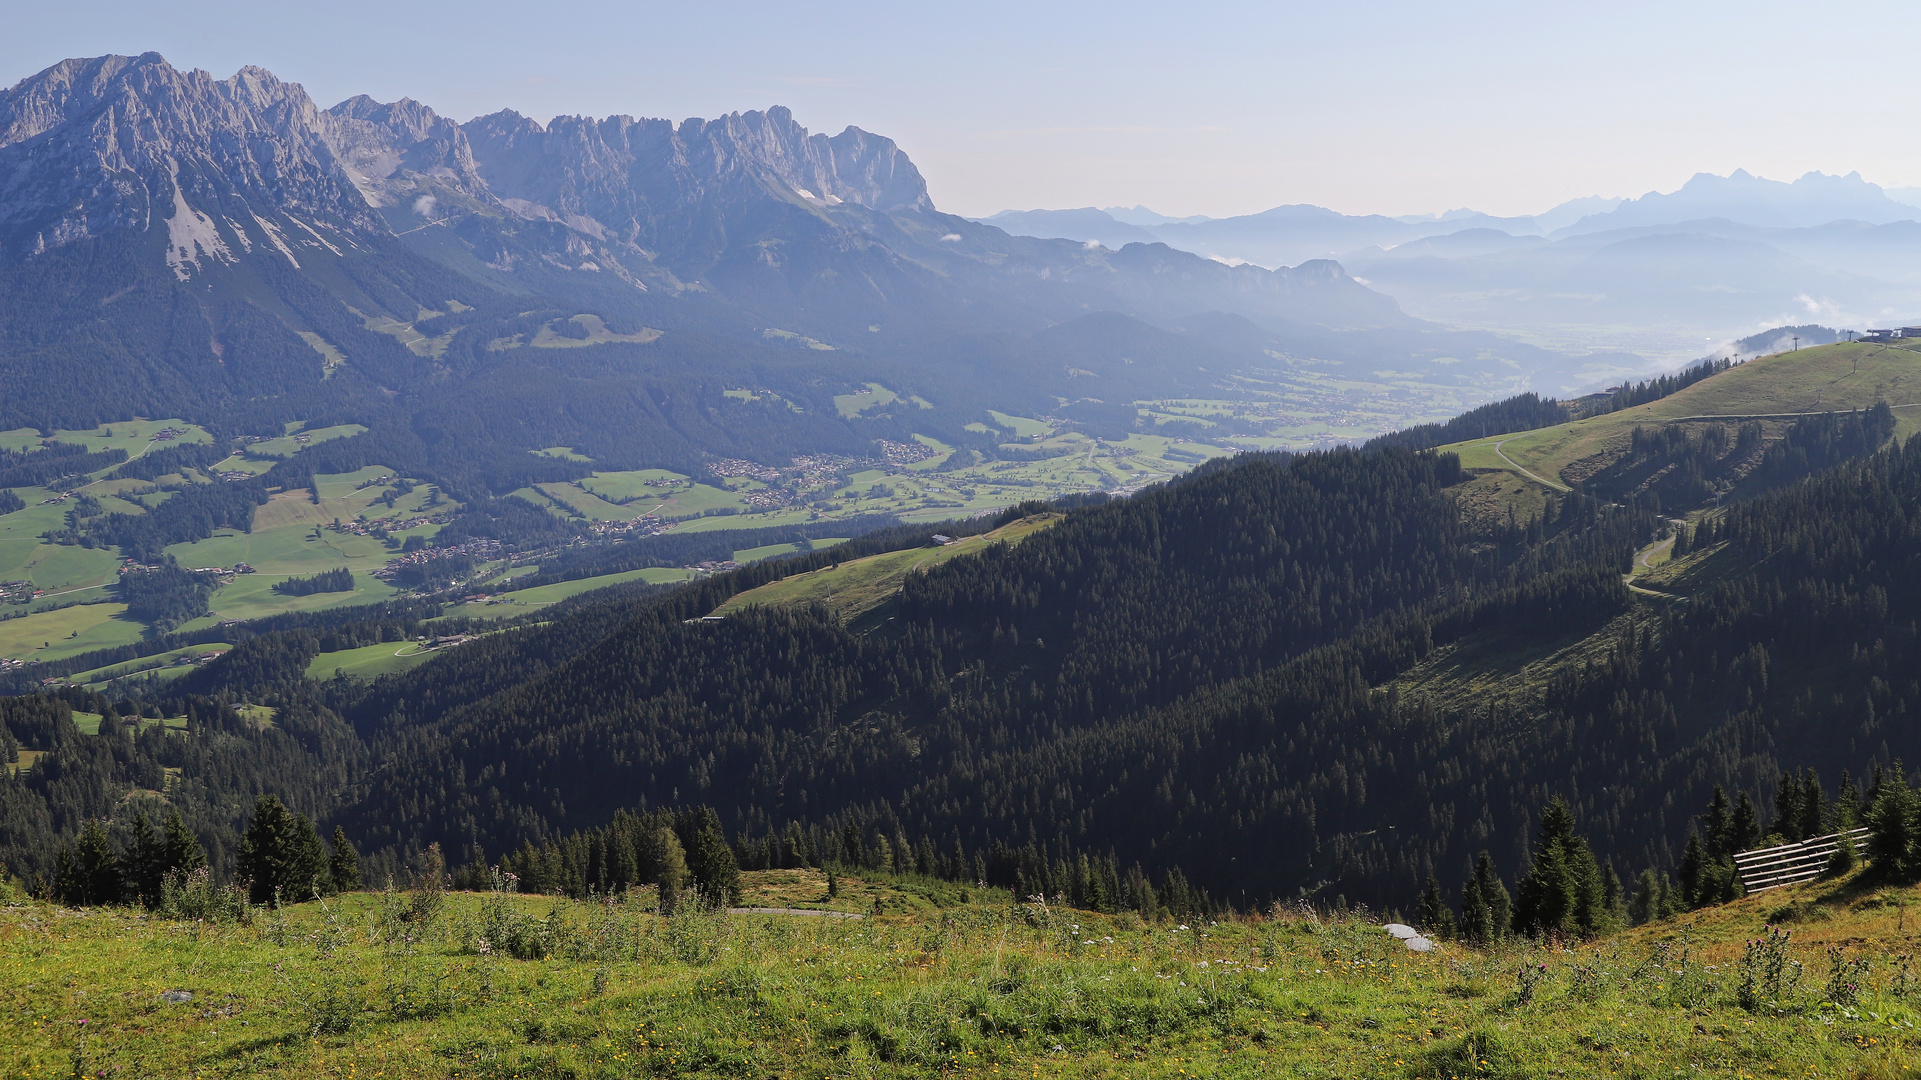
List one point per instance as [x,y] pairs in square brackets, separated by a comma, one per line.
[115,142]
[401,151]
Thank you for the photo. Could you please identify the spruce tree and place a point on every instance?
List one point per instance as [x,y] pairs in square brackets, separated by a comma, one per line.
[1646,905]
[1669,903]
[659,858]
[1787,808]
[1843,861]
[710,860]
[1717,825]
[1484,904]
[1561,892]
[343,863]
[1494,891]
[1433,915]
[1745,832]
[1693,873]
[1845,812]
[1894,820]
[145,863]
[1814,810]
[89,871]
[280,855]
[182,848]
[1614,901]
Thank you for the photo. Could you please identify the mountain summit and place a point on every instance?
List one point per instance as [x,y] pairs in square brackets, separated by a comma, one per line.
[173,244]
[1741,197]
[91,147]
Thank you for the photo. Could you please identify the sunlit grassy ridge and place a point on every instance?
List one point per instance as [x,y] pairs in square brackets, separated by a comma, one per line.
[859,586]
[943,983]
[1830,377]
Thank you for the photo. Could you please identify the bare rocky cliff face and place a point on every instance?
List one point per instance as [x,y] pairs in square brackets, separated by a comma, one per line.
[221,168]
[194,177]
[132,143]
[401,152]
[680,195]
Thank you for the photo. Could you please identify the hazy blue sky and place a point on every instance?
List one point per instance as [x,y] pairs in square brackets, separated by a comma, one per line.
[1218,108]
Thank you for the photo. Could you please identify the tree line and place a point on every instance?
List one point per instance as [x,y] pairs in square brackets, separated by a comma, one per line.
[1565,891]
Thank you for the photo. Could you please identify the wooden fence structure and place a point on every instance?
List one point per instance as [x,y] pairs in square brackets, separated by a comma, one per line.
[1790,864]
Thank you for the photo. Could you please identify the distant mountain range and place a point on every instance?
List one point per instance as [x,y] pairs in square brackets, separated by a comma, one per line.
[173,244]
[1283,236]
[1662,273]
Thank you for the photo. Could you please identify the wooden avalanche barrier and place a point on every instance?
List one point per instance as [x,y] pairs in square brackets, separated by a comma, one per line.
[1790,864]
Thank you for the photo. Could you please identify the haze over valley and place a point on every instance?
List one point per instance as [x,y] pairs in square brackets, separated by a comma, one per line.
[1667,276]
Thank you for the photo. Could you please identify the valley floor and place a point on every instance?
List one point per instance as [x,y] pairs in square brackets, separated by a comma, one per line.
[937,980]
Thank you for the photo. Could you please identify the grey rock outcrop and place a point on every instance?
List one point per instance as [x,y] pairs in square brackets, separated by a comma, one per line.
[401,152]
[222,167]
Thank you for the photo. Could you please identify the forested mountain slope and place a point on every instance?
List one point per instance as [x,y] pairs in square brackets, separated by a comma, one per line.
[1236,675]
[1002,670]
[1282,674]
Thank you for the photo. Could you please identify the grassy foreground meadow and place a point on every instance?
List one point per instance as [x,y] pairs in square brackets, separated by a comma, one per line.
[936,980]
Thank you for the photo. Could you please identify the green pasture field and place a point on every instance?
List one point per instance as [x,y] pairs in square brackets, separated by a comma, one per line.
[282,544]
[645,484]
[33,519]
[586,502]
[1837,377]
[522,601]
[353,484]
[68,631]
[855,588]
[370,661]
[135,436]
[512,573]
[1023,426]
[876,395]
[100,489]
[157,662]
[287,446]
[110,504]
[775,551]
[561,590]
[284,550]
[933,980]
[55,567]
[770,520]
[89,723]
[597,334]
[261,716]
[330,357]
[537,498]
[241,463]
[251,596]
[695,499]
[565,453]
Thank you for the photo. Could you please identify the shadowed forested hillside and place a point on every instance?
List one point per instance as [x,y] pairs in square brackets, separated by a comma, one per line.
[1280,675]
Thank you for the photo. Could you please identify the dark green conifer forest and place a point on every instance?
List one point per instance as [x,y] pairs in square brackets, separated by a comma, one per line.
[1211,693]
